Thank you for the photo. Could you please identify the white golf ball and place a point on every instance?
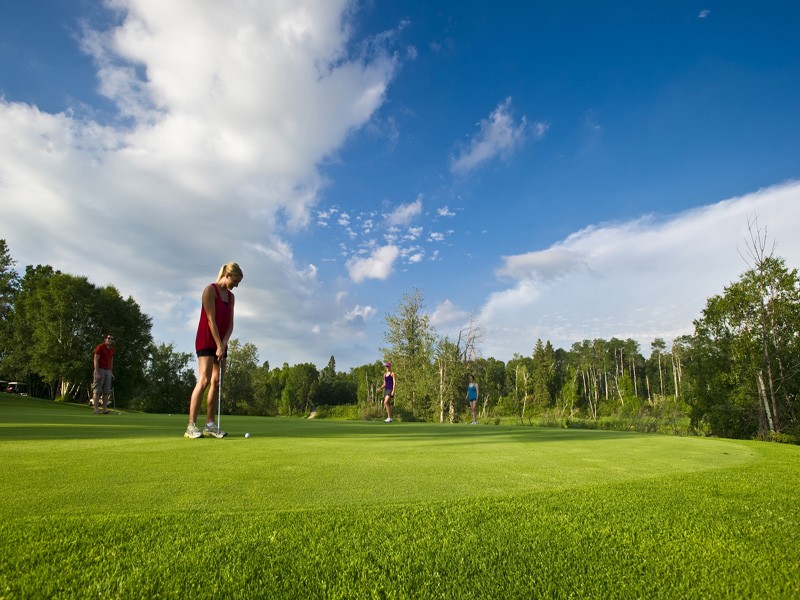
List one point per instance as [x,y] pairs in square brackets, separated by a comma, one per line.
[246,435]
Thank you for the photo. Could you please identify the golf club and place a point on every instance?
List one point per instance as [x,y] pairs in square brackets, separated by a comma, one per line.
[219,396]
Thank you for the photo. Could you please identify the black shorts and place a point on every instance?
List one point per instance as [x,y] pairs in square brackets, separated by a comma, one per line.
[210,352]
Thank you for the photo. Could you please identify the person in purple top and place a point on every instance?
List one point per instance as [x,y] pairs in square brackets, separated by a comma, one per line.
[389,387]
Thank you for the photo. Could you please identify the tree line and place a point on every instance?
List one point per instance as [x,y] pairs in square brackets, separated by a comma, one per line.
[737,375]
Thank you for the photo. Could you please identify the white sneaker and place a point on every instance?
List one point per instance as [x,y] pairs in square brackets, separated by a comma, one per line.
[474,423]
[389,420]
[193,432]
[213,430]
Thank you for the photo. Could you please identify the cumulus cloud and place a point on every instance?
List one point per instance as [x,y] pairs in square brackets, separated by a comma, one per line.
[404,214]
[224,113]
[499,136]
[640,279]
[377,265]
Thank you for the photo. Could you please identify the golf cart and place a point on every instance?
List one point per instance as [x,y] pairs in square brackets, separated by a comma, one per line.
[15,387]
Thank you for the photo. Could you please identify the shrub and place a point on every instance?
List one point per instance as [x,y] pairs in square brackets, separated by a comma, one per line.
[349,412]
[781,438]
[371,411]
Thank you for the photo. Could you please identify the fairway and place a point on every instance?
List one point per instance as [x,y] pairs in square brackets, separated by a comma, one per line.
[122,505]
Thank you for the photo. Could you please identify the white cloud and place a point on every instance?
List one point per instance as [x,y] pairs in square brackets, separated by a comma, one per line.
[413,233]
[404,214]
[362,313]
[377,265]
[447,314]
[639,279]
[546,265]
[499,135]
[212,153]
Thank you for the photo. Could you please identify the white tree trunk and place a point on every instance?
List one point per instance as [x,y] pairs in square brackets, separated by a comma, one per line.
[762,393]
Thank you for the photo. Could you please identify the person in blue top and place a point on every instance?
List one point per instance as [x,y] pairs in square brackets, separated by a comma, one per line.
[389,386]
[472,398]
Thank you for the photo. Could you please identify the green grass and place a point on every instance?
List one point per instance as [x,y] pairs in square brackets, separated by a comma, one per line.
[122,506]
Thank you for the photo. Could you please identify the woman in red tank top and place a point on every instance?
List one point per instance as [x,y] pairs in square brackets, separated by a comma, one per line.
[211,343]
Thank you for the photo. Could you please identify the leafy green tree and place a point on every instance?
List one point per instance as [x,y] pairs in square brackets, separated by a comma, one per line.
[56,328]
[592,359]
[267,388]
[490,374]
[299,389]
[367,378]
[603,361]
[680,351]
[743,359]
[568,396]
[238,392]
[411,342]
[452,380]
[19,357]
[131,329]
[9,290]
[658,349]
[59,319]
[344,391]
[518,386]
[580,357]
[634,362]
[622,376]
[170,380]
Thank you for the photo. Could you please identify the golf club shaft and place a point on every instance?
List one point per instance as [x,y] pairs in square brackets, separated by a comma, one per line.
[219,393]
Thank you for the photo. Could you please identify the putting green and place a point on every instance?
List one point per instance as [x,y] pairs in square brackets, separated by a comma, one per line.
[63,460]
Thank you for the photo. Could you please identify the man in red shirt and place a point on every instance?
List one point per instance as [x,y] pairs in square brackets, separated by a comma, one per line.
[103,376]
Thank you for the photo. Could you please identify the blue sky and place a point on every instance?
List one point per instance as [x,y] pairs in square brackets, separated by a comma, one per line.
[563,171]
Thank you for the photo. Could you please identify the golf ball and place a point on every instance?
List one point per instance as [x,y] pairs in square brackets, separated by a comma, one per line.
[246,435]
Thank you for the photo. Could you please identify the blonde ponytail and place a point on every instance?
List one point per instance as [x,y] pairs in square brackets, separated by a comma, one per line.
[231,269]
